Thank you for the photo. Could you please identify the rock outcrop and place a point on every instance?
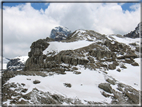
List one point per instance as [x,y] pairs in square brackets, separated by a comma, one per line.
[36,57]
[106,87]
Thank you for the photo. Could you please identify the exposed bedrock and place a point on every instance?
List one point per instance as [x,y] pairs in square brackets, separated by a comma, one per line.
[36,57]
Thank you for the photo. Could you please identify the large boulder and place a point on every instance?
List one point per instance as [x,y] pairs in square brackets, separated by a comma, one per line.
[106,87]
[38,47]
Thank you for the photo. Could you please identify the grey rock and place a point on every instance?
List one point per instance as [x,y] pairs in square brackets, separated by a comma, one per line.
[24,90]
[111,81]
[76,72]
[105,94]
[106,87]
[67,85]
[112,66]
[36,82]
[123,66]
[135,64]
[118,70]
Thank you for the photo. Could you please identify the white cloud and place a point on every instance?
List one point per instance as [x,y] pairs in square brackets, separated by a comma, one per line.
[104,18]
[135,6]
[23,24]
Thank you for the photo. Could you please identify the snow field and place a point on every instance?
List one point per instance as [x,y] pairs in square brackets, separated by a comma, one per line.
[60,46]
[84,85]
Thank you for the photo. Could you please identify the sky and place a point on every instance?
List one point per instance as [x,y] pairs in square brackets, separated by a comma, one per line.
[24,23]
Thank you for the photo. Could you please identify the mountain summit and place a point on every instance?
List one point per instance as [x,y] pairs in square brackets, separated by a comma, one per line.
[60,33]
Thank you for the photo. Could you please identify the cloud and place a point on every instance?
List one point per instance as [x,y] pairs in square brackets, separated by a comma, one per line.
[23,24]
[102,17]
[135,6]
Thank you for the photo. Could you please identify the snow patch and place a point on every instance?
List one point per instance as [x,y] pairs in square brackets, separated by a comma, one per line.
[60,46]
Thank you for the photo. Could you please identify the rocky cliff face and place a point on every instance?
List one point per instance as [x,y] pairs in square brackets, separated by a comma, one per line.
[136,33]
[60,33]
[36,57]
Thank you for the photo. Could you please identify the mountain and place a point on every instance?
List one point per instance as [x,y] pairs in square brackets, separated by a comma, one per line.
[136,33]
[14,64]
[60,33]
[86,68]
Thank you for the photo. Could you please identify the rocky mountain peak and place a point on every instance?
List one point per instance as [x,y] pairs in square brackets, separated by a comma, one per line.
[136,33]
[15,64]
[60,33]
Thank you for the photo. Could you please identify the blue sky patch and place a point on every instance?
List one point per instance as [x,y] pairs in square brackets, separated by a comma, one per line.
[39,6]
[36,6]
[127,6]
[12,4]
